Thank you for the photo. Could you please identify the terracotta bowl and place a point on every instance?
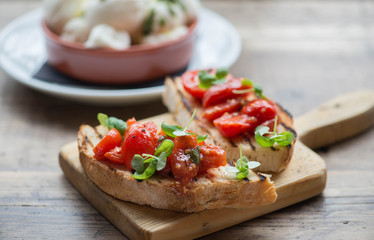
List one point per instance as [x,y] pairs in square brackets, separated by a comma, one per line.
[139,63]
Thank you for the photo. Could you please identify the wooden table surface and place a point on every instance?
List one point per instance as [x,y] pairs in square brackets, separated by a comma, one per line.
[302,53]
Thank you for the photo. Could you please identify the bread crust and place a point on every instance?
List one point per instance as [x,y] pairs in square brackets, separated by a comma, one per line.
[166,192]
[181,104]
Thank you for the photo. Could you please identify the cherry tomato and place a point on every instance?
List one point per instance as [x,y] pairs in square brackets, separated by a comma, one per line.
[190,81]
[221,92]
[261,109]
[218,110]
[231,125]
[212,157]
[111,140]
[182,165]
[140,138]
[114,155]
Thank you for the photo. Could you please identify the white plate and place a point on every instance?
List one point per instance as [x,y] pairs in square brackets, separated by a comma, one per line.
[23,53]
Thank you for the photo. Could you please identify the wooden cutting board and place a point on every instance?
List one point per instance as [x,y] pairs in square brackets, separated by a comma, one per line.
[304,178]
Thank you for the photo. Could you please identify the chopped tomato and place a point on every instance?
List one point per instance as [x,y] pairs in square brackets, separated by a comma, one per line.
[261,109]
[140,138]
[111,140]
[114,155]
[231,125]
[190,81]
[185,142]
[212,157]
[221,92]
[218,110]
[182,166]
[269,123]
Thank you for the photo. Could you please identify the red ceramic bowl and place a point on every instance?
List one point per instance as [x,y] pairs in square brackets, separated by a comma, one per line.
[139,63]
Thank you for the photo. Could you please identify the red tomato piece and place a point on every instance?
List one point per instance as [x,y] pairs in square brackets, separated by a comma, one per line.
[261,109]
[185,142]
[218,110]
[190,81]
[182,166]
[114,155]
[231,125]
[212,157]
[140,138]
[221,92]
[111,140]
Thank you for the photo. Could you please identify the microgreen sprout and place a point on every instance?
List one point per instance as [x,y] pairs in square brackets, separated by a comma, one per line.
[257,89]
[207,80]
[243,165]
[174,130]
[112,122]
[145,165]
[282,139]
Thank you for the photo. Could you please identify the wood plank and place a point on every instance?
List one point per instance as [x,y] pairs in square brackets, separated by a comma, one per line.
[304,178]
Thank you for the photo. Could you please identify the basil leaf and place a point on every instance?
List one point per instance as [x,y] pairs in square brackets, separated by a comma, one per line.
[262,130]
[201,138]
[195,155]
[148,23]
[253,164]
[148,172]
[206,80]
[222,72]
[137,163]
[264,141]
[169,129]
[180,133]
[247,82]
[258,91]
[161,163]
[231,169]
[287,138]
[242,174]
[102,118]
[242,163]
[219,81]
[116,123]
[283,139]
[166,147]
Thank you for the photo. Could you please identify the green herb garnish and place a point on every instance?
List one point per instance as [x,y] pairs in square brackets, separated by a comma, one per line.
[282,139]
[148,23]
[112,122]
[207,80]
[145,165]
[257,89]
[243,165]
[195,155]
[177,131]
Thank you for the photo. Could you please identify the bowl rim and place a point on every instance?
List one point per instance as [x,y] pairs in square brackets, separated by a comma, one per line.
[133,49]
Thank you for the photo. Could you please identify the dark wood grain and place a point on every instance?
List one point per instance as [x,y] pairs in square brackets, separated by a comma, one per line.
[302,53]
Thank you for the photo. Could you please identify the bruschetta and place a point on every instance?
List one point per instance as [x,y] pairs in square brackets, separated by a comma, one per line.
[193,176]
[229,110]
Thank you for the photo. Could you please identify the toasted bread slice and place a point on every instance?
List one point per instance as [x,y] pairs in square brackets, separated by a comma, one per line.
[181,104]
[217,190]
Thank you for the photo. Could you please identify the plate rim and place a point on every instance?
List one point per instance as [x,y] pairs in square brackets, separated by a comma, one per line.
[95,95]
